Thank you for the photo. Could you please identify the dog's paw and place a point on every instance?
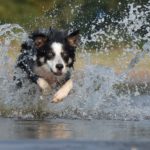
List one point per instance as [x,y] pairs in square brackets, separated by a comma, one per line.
[46,91]
[43,84]
[63,92]
[56,100]
[59,96]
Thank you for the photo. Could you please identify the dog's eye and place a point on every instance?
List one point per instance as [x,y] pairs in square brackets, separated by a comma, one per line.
[64,55]
[51,55]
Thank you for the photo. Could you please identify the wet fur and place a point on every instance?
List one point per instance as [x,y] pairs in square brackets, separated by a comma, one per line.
[42,54]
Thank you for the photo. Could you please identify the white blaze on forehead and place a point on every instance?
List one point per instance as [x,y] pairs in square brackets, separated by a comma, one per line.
[57,48]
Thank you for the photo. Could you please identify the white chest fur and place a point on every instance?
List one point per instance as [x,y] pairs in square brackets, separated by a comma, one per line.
[44,72]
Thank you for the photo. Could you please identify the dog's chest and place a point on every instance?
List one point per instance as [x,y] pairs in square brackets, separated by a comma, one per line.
[44,72]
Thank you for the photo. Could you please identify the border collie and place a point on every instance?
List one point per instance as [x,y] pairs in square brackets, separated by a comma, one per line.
[47,58]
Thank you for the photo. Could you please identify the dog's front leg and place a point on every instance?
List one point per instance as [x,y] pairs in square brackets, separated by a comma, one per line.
[63,91]
[43,84]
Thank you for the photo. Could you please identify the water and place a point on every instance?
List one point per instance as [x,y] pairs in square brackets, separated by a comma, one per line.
[99,92]
[74,134]
[60,129]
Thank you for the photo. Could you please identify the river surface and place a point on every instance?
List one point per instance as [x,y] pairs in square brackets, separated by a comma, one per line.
[63,129]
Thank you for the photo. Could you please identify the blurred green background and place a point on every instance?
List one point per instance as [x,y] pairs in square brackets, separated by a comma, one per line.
[61,13]
[83,15]
[75,14]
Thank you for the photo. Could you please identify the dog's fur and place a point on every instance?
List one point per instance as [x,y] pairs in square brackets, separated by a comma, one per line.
[47,58]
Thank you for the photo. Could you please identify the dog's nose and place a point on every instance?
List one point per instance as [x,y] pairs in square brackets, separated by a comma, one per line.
[59,66]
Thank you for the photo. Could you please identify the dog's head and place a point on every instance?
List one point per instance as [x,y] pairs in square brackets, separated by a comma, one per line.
[58,49]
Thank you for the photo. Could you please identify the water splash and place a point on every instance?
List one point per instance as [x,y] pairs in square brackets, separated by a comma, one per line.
[98,93]
[128,32]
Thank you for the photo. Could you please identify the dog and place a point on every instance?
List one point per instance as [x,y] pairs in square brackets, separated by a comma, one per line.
[47,57]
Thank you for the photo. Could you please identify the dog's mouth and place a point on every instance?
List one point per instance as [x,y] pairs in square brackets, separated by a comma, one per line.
[58,73]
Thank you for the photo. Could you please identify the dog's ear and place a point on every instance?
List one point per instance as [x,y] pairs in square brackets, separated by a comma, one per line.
[73,38]
[40,37]
[40,41]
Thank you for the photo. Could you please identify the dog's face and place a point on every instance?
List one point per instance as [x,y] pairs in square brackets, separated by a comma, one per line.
[58,58]
[59,50]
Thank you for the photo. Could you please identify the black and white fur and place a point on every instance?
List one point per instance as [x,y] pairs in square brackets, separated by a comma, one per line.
[47,58]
